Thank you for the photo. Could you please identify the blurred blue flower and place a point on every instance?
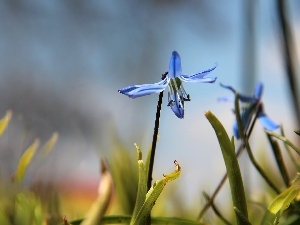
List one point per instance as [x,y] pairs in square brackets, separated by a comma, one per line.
[173,79]
[254,105]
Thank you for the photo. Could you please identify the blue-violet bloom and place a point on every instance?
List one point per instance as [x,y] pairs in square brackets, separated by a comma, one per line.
[173,79]
[250,109]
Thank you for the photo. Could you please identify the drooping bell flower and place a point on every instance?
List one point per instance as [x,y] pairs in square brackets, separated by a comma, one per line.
[248,111]
[173,79]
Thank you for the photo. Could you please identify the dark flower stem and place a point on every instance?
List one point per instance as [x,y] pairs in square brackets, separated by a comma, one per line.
[155,133]
[154,141]
[279,160]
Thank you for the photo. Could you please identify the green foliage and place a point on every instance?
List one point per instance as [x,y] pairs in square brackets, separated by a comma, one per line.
[281,203]
[126,182]
[144,203]
[20,207]
[5,121]
[125,219]
[232,167]
[25,160]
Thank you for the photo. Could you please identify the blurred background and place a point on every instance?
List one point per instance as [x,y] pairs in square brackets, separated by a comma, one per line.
[62,62]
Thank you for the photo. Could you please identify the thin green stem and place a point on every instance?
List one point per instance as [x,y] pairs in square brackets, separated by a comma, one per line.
[224,178]
[279,160]
[289,151]
[247,145]
[216,210]
[285,140]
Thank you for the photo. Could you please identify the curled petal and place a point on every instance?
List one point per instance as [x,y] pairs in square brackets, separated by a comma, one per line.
[200,77]
[228,87]
[266,122]
[175,65]
[243,98]
[176,104]
[136,91]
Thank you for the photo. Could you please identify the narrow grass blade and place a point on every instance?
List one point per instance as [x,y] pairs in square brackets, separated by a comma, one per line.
[49,145]
[281,203]
[279,160]
[232,167]
[152,196]
[125,219]
[142,184]
[216,210]
[241,216]
[285,140]
[25,160]
[5,121]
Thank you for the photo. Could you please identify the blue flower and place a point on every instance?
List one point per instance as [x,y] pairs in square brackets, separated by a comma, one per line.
[247,112]
[173,79]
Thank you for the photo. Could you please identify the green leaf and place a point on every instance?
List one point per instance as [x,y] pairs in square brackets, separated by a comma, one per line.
[232,167]
[285,140]
[25,160]
[125,219]
[241,216]
[27,210]
[142,184]
[281,203]
[49,145]
[279,160]
[152,196]
[5,121]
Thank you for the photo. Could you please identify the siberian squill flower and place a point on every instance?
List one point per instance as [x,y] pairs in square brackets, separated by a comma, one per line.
[254,106]
[173,80]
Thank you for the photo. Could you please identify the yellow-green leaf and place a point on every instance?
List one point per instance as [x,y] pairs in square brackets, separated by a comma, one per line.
[49,145]
[4,121]
[281,203]
[152,196]
[142,184]
[25,160]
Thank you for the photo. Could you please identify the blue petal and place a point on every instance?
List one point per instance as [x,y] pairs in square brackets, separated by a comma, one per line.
[246,116]
[226,99]
[175,105]
[242,98]
[175,65]
[200,77]
[228,87]
[258,90]
[236,130]
[136,91]
[266,122]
